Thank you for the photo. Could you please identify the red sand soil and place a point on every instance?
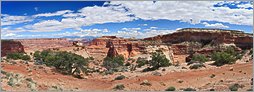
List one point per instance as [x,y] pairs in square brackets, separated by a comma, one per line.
[46,77]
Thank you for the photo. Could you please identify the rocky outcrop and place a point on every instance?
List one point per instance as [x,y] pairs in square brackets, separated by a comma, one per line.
[10,46]
[125,47]
[206,36]
[44,43]
[112,51]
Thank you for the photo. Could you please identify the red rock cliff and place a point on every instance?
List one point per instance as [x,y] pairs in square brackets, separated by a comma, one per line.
[216,36]
[44,43]
[10,46]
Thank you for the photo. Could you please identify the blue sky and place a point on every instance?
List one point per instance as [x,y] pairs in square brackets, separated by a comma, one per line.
[137,19]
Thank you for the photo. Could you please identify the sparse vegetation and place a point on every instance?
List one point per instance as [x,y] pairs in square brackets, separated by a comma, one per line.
[17,56]
[212,76]
[171,88]
[119,87]
[189,89]
[113,62]
[141,62]
[222,58]
[65,62]
[158,60]
[199,57]
[120,77]
[234,87]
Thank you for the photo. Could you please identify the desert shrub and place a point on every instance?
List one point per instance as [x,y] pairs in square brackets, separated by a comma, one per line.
[141,62]
[3,72]
[250,89]
[108,72]
[120,77]
[197,66]
[17,56]
[251,52]
[170,88]
[234,87]
[212,76]
[65,62]
[113,62]
[119,87]
[159,60]
[199,57]
[148,69]
[222,58]
[11,82]
[212,89]
[127,64]
[230,50]
[189,89]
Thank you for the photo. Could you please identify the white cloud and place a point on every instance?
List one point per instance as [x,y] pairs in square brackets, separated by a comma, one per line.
[131,29]
[12,20]
[45,26]
[187,11]
[85,32]
[216,25]
[120,11]
[58,13]
[126,32]
[247,5]
[10,35]
[153,27]
[100,15]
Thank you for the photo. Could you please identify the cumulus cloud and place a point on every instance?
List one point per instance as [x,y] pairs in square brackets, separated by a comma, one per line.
[9,34]
[216,25]
[58,13]
[193,12]
[187,11]
[84,32]
[11,20]
[141,34]
[100,15]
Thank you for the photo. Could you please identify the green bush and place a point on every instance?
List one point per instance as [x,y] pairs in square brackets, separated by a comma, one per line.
[199,57]
[189,89]
[159,60]
[17,56]
[222,58]
[234,87]
[63,61]
[250,89]
[120,77]
[170,88]
[113,62]
[119,87]
[141,62]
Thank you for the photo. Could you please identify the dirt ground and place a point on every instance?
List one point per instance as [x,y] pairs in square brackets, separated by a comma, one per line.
[47,78]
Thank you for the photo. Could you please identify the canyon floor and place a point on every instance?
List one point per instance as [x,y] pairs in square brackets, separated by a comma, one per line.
[48,78]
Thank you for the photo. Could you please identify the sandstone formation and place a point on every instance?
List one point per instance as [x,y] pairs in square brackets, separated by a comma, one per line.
[44,43]
[10,46]
[204,36]
[125,47]
[112,51]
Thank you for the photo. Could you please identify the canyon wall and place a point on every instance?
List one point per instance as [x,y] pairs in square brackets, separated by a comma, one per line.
[31,45]
[10,46]
[204,36]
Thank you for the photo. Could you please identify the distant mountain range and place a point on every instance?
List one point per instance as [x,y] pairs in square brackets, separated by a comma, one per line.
[87,38]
